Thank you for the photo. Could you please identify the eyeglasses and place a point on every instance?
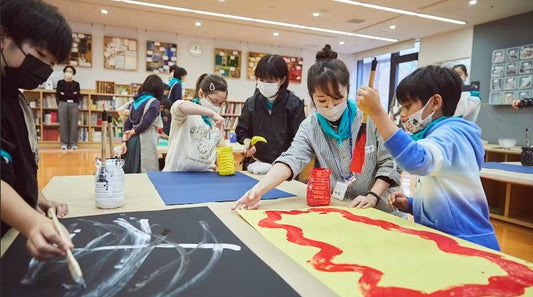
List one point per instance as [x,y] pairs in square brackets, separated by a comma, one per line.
[216,102]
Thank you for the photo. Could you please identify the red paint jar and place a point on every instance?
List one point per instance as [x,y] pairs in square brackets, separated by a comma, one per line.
[319,187]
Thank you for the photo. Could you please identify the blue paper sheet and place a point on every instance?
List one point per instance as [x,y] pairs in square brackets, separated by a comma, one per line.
[509,167]
[197,187]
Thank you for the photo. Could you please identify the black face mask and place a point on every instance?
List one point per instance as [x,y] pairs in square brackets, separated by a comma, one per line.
[30,74]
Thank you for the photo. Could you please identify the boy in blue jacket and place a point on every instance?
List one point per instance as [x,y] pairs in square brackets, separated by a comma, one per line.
[444,152]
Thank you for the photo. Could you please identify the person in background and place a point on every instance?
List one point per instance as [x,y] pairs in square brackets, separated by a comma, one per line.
[330,135]
[195,130]
[68,97]
[34,37]
[444,152]
[272,112]
[526,102]
[470,102]
[140,137]
[176,85]
[166,117]
[171,70]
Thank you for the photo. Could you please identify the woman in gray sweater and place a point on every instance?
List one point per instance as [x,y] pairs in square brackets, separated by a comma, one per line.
[330,136]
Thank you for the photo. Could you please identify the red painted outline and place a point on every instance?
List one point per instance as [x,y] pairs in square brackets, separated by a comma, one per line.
[518,279]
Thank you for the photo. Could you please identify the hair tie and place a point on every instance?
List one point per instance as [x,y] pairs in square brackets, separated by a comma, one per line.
[212,87]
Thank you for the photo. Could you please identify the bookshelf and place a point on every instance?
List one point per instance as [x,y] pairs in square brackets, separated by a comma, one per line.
[44,106]
[231,112]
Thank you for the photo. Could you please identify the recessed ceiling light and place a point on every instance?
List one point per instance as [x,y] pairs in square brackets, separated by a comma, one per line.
[104,11]
[392,27]
[341,42]
[275,34]
[316,14]
[197,24]
[221,0]
[472,2]
[254,20]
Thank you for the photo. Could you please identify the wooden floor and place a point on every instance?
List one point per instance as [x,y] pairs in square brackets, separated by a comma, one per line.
[514,240]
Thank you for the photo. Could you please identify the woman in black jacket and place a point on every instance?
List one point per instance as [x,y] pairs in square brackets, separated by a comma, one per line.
[272,112]
[68,97]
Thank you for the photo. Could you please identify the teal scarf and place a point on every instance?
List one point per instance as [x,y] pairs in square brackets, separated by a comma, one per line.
[269,104]
[173,81]
[141,99]
[345,126]
[422,134]
[206,119]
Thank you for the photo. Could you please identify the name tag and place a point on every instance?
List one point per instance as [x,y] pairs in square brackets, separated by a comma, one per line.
[339,191]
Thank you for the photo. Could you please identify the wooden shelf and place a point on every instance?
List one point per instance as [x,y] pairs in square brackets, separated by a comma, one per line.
[495,153]
[51,125]
[511,192]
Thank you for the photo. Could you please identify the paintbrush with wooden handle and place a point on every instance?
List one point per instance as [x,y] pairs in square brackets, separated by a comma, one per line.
[73,266]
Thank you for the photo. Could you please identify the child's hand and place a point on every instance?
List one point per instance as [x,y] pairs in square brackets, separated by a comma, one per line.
[399,201]
[250,200]
[219,120]
[60,208]
[45,242]
[123,149]
[249,151]
[368,100]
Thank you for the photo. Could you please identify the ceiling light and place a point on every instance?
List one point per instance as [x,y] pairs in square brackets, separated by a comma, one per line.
[472,2]
[104,11]
[341,42]
[221,0]
[401,11]
[275,34]
[392,27]
[197,24]
[249,19]
[316,14]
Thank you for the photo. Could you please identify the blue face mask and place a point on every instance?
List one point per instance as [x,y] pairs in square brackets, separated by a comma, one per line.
[30,74]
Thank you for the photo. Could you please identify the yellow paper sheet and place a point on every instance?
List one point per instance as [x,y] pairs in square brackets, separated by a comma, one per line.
[366,252]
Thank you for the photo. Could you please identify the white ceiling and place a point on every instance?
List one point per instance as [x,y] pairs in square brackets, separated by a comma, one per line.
[333,15]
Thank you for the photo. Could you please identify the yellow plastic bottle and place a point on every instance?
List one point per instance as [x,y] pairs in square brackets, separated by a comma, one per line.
[225,160]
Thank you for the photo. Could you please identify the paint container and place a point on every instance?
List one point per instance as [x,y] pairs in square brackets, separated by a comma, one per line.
[225,160]
[109,183]
[319,187]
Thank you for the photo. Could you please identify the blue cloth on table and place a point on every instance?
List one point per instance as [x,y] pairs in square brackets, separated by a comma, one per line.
[509,167]
[197,187]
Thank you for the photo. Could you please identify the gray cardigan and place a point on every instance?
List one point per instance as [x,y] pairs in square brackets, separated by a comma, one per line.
[311,142]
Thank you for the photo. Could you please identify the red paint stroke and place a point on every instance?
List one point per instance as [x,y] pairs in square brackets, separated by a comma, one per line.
[519,275]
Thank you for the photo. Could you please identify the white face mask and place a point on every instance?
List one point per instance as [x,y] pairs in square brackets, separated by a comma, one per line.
[334,113]
[206,103]
[414,123]
[68,75]
[269,90]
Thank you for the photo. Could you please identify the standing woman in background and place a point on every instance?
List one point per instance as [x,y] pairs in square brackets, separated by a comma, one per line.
[176,84]
[272,112]
[68,97]
[139,143]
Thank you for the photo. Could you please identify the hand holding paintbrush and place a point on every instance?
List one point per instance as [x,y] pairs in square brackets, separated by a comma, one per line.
[73,265]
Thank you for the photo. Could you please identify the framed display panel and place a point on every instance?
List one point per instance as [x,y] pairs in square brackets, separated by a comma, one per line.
[160,56]
[511,74]
[81,54]
[120,53]
[123,89]
[295,65]
[253,59]
[228,63]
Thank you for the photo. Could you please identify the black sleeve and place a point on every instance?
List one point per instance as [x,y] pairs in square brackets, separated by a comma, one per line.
[76,92]
[297,118]
[172,95]
[244,126]
[387,180]
[8,148]
[61,89]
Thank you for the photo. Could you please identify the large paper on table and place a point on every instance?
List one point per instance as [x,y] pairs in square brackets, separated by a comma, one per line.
[366,252]
[197,187]
[178,252]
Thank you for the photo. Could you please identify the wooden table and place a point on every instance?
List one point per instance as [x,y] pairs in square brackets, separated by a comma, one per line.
[495,153]
[511,193]
[140,195]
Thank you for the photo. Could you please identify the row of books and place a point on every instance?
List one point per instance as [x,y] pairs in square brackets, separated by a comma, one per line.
[233,108]
[231,123]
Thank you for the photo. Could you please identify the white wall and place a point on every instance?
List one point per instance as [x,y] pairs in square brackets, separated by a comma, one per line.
[239,89]
[449,46]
